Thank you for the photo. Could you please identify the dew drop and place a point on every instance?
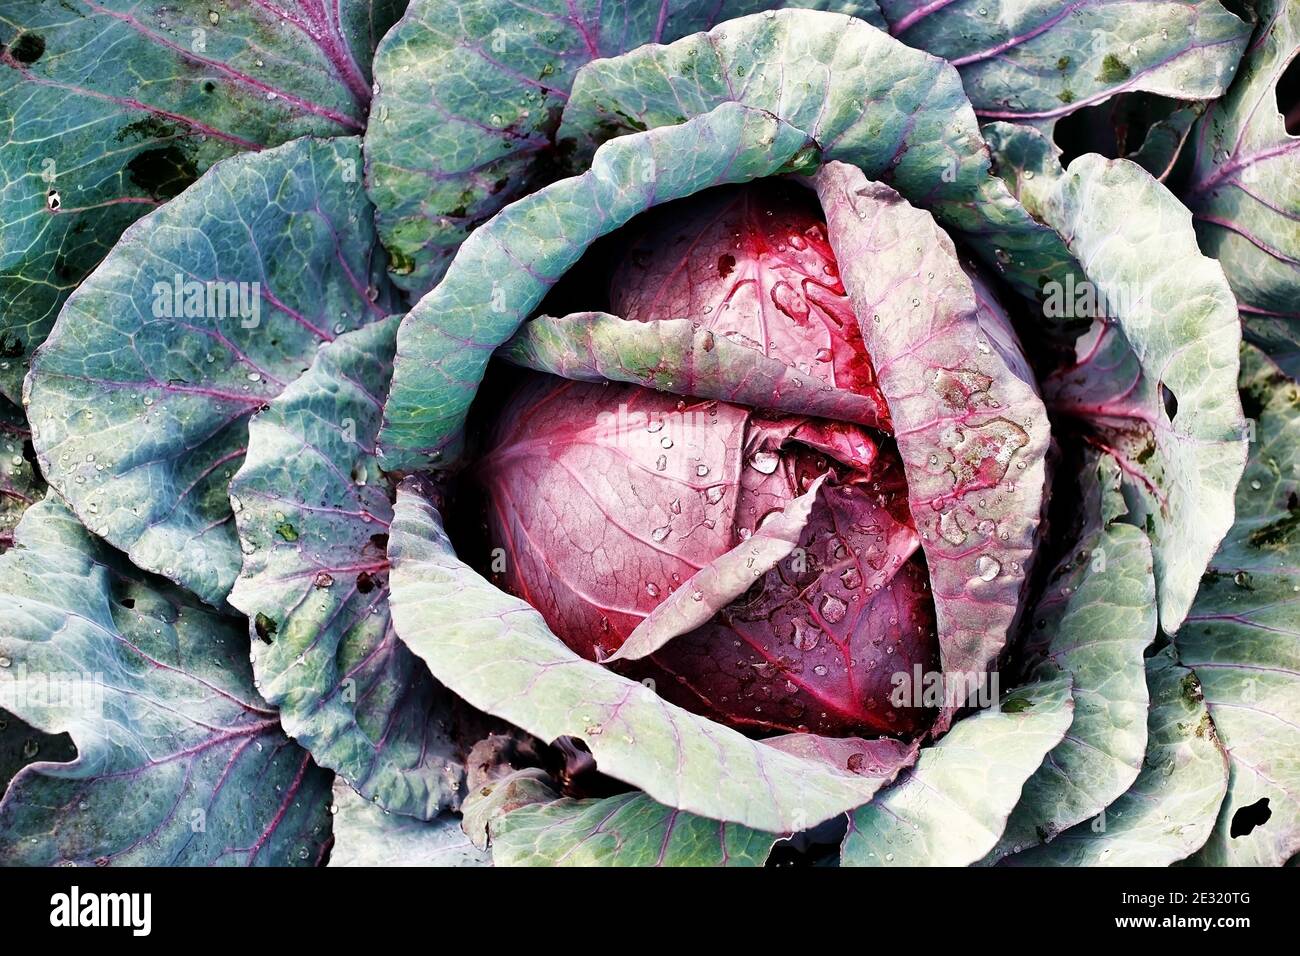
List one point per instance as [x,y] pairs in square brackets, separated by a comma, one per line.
[832,609]
[987,567]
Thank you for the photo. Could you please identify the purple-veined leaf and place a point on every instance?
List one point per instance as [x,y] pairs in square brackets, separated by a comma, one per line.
[750,263]
[1242,638]
[1244,189]
[971,429]
[179,761]
[112,107]
[468,100]
[625,830]
[203,313]
[1170,809]
[1154,381]
[1039,60]
[312,510]
[616,509]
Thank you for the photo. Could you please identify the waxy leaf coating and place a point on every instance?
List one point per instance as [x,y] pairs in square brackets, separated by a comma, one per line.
[1244,188]
[951,807]
[202,314]
[179,761]
[1044,59]
[112,107]
[1243,641]
[1168,812]
[1095,620]
[1155,379]
[313,510]
[468,98]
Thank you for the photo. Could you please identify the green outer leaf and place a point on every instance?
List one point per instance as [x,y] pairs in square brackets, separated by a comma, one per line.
[951,807]
[671,355]
[1178,315]
[505,268]
[1242,637]
[1043,59]
[347,688]
[128,103]
[140,421]
[1244,189]
[364,835]
[627,830]
[1169,810]
[21,484]
[1027,160]
[1097,618]
[496,652]
[468,100]
[179,761]
[971,429]
[896,113]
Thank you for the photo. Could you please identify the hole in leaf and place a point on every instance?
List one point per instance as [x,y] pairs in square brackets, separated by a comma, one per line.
[162,173]
[127,603]
[28,48]
[1170,401]
[1247,818]
[1288,96]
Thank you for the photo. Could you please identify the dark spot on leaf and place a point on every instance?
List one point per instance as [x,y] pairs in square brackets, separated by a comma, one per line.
[28,48]
[631,122]
[1016,705]
[209,87]
[1113,69]
[1190,688]
[1282,530]
[1247,818]
[287,531]
[726,263]
[365,583]
[1065,96]
[402,264]
[1169,399]
[163,172]
[1063,63]
[265,627]
[146,129]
